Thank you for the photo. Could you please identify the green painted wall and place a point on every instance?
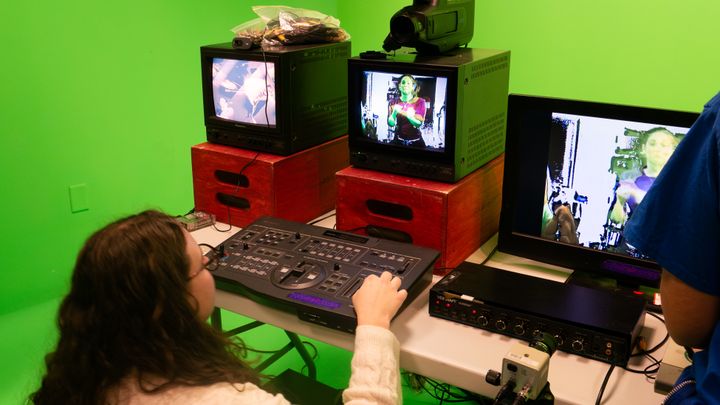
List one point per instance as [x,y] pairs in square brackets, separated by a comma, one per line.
[102,94]
[645,52]
[108,95]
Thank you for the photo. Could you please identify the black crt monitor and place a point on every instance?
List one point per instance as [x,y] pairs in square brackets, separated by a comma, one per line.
[438,117]
[279,100]
[574,172]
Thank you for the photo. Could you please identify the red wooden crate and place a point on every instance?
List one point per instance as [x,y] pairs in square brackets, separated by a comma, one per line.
[455,219]
[240,185]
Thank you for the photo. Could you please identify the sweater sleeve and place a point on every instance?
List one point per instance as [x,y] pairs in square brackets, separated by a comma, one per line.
[375,368]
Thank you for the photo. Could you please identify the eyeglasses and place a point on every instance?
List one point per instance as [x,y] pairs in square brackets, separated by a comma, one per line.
[213,254]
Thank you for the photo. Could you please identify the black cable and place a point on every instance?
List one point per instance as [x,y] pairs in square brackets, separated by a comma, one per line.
[492,252]
[321,219]
[652,368]
[312,357]
[657,346]
[604,384]
[267,91]
[689,352]
[507,387]
[355,229]
[440,391]
[262,351]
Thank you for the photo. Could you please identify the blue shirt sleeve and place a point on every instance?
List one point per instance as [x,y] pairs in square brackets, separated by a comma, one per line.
[678,222]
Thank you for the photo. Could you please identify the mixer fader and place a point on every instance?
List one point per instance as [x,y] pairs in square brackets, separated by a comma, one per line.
[314,271]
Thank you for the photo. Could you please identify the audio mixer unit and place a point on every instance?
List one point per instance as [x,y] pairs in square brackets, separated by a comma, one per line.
[314,271]
[584,321]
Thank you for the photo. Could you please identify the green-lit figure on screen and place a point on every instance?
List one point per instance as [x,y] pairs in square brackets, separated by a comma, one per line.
[406,113]
[655,147]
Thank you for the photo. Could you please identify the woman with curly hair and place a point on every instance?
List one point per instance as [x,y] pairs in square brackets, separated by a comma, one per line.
[133,328]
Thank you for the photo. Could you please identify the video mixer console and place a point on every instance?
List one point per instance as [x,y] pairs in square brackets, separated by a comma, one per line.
[314,271]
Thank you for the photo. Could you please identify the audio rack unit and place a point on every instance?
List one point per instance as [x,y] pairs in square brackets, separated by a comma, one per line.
[314,271]
[592,323]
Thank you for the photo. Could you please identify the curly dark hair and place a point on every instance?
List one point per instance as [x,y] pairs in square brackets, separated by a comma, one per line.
[129,313]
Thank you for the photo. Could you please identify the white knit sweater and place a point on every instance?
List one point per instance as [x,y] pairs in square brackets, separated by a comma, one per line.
[374,380]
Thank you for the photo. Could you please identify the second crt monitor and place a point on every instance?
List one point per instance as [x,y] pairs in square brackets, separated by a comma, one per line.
[435,117]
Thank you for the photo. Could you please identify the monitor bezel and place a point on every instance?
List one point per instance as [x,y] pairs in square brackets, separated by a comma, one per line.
[357,139]
[574,257]
[212,120]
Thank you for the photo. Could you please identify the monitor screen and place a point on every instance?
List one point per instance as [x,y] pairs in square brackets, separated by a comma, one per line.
[598,171]
[244,91]
[574,173]
[404,110]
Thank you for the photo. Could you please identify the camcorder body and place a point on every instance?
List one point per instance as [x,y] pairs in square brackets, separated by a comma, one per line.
[432,26]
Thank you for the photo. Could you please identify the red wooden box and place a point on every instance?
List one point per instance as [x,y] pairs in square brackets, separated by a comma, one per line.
[455,219]
[240,185]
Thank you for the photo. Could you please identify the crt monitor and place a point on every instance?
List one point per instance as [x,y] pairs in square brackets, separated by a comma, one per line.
[279,100]
[437,117]
[574,173]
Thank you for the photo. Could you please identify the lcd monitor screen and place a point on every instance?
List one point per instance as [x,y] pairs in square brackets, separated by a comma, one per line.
[244,91]
[575,172]
[598,171]
[404,110]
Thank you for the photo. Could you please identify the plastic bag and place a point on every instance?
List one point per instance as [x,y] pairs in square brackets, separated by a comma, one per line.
[281,25]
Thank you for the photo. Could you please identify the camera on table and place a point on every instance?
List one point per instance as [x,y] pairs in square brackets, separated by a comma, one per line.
[524,372]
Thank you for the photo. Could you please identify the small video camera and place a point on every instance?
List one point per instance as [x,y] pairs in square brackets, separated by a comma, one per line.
[432,26]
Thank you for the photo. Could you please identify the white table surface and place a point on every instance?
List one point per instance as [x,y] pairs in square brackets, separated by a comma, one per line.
[461,355]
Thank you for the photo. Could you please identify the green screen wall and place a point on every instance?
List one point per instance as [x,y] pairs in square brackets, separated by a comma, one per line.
[654,53]
[105,95]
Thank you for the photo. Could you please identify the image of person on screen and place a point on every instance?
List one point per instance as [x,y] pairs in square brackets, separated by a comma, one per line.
[558,221]
[655,147]
[678,225]
[406,113]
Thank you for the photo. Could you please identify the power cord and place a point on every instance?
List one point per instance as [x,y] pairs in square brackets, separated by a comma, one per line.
[321,219]
[444,393]
[649,371]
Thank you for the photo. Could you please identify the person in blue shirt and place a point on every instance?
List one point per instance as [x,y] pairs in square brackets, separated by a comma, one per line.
[678,225]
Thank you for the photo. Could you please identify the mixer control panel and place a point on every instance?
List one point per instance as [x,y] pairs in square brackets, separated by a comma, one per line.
[314,271]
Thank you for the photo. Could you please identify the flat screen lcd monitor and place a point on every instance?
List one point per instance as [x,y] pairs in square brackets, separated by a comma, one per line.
[599,170]
[244,91]
[404,110]
[575,172]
